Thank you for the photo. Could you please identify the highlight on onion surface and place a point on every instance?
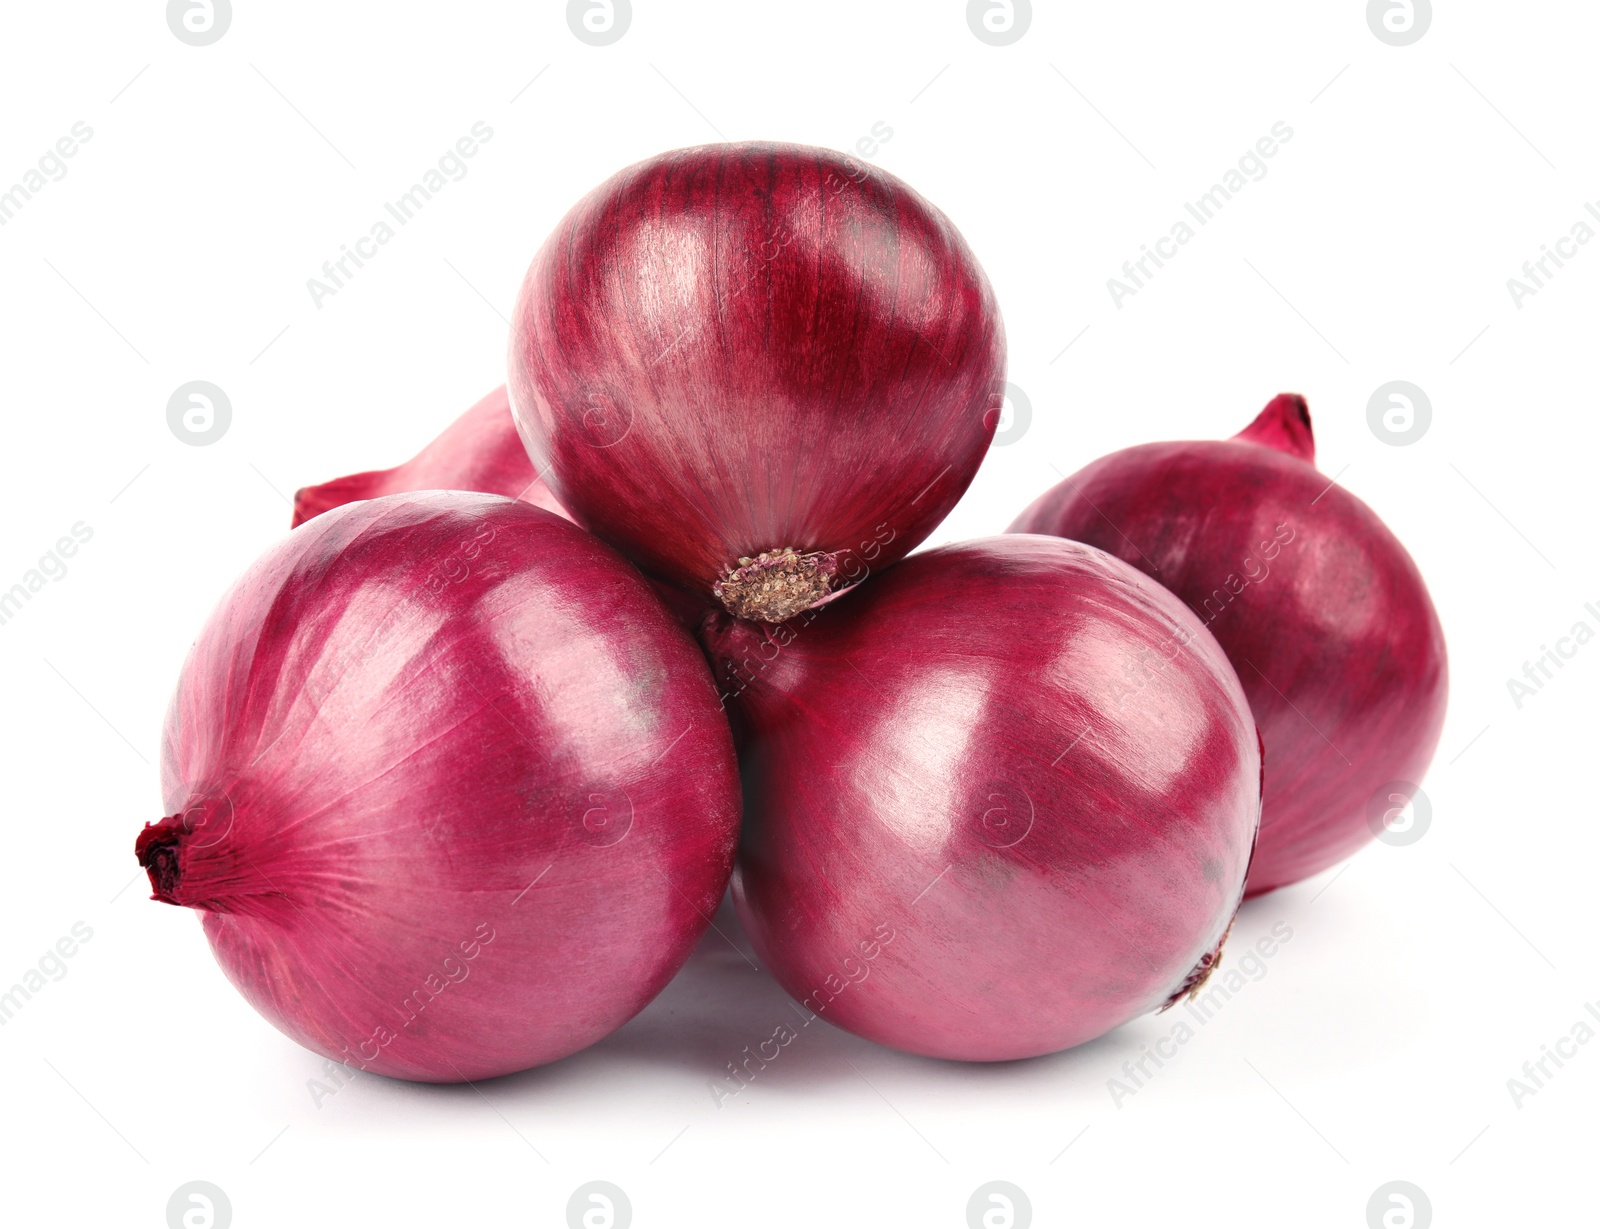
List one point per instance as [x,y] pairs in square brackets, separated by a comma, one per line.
[1317,604]
[758,370]
[449,788]
[999,799]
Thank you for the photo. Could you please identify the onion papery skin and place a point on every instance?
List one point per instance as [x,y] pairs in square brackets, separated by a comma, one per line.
[451,790]
[480,451]
[1317,604]
[736,350]
[999,799]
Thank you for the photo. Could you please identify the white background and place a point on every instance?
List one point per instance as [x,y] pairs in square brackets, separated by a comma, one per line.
[1378,247]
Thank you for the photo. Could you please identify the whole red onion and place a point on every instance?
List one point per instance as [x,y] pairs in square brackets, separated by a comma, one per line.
[450,789]
[999,799]
[758,370]
[480,451]
[1318,606]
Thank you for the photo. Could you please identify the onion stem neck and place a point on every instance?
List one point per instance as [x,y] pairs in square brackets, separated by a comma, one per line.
[157,849]
[1285,425]
[193,860]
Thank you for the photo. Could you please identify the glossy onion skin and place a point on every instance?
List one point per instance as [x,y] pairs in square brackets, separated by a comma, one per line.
[740,348]
[404,715]
[999,799]
[479,451]
[1321,610]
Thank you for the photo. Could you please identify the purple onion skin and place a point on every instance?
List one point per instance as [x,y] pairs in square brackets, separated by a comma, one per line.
[450,788]
[999,799]
[479,451]
[1317,605]
[735,349]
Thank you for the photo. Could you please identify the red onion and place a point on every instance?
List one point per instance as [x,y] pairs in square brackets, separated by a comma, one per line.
[1318,606]
[757,370]
[999,799]
[480,451]
[450,789]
